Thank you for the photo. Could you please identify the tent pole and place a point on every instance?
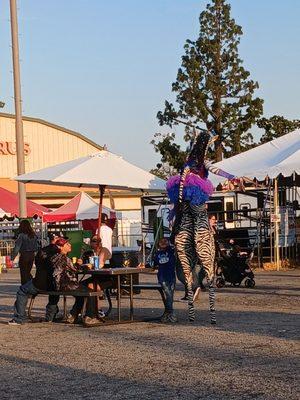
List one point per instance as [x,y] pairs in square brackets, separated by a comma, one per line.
[276,231]
[271,225]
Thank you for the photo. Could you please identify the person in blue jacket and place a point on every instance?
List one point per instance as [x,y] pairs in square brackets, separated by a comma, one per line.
[165,261]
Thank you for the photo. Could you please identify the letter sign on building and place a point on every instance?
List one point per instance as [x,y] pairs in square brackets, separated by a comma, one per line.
[9,148]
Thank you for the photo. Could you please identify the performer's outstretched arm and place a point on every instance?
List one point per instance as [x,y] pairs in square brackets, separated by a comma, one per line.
[217,171]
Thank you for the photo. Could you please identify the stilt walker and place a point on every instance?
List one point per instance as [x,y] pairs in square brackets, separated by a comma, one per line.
[189,192]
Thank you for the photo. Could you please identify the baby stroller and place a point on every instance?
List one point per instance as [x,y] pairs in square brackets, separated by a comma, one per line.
[233,266]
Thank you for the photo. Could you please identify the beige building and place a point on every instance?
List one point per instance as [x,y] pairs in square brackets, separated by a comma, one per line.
[47,144]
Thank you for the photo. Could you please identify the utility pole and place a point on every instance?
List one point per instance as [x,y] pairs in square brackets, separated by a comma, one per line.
[18,108]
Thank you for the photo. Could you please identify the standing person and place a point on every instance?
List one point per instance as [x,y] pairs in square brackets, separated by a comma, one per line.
[165,261]
[212,219]
[27,245]
[106,241]
[189,192]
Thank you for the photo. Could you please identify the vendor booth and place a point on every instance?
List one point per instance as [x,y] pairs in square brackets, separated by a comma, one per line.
[9,222]
[9,205]
[78,219]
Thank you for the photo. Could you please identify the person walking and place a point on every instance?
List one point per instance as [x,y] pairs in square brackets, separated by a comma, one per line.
[26,245]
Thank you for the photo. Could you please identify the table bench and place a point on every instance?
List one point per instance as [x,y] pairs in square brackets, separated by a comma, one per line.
[146,286]
[72,293]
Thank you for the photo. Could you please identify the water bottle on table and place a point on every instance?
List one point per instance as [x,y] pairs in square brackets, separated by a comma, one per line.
[96,262]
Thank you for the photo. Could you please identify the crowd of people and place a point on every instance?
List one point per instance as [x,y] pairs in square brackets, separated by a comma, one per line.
[56,272]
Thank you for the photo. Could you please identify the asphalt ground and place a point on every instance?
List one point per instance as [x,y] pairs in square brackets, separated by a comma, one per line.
[252,352]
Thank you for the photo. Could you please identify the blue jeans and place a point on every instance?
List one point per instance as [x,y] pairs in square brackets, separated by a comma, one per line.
[168,288]
[23,294]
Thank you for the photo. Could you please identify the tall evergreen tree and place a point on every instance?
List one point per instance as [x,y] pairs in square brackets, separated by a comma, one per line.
[213,90]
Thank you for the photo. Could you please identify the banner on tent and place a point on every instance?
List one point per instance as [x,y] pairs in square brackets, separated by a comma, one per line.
[287,227]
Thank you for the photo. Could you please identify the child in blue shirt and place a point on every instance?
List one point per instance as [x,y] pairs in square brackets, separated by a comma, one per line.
[164,260]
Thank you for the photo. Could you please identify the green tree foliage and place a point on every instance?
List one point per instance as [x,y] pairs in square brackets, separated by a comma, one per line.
[213,90]
[276,126]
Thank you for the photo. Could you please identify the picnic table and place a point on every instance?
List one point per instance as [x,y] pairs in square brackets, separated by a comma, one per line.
[118,273]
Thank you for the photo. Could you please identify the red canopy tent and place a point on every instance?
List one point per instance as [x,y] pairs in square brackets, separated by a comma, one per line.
[9,204]
[81,208]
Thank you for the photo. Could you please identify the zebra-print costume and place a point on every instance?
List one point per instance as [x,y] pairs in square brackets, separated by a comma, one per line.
[195,234]
[189,192]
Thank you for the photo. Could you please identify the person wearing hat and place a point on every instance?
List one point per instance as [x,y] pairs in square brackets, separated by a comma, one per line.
[66,279]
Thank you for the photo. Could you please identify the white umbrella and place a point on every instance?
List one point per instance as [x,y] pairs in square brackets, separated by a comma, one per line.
[103,170]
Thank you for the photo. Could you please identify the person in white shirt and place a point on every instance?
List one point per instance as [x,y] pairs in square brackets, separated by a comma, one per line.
[106,241]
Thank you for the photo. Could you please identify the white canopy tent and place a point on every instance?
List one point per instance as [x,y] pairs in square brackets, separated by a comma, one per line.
[279,156]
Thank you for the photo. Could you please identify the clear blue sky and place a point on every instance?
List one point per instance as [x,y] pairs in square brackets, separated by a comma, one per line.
[104,68]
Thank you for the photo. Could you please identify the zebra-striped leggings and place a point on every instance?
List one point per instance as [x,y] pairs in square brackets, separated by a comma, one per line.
[195,236]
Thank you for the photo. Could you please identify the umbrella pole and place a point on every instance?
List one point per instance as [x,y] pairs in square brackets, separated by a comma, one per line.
[101,190]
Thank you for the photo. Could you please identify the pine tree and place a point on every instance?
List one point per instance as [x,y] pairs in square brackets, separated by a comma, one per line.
[213,90]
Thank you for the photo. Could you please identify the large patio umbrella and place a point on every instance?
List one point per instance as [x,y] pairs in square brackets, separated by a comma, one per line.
[102,170]
[9,205]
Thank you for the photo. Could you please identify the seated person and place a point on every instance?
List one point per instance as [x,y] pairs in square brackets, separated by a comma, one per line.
[235,250]
[95,244]
[102,281]
[66,279]
[43,280]
[44,274]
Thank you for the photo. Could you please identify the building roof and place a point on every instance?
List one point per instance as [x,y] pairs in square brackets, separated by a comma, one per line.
[54,126]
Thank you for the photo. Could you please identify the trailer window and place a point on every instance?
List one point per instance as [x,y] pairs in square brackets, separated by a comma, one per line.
[152,215]
[229,207]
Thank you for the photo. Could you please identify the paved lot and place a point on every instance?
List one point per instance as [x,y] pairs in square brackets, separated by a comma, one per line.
[252,353]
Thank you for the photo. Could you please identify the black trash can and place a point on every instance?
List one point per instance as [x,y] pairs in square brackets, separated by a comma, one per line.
[126,258]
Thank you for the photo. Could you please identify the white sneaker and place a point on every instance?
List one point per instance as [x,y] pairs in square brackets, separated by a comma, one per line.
[101,314]
[13,322]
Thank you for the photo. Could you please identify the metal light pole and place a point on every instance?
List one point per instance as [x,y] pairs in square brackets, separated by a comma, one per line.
[18,108]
